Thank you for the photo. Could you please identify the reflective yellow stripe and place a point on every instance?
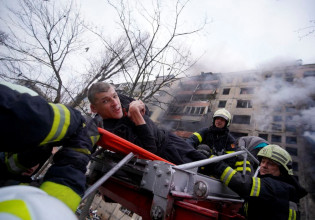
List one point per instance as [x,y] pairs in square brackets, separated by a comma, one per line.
[60,124]
[198,136]
[15,207]
[241,169]
[226,176]
[63,193]
[81,150]
[255,187]
[246,209]
[240,163]
[229,152]
[24,184]
[13,164]
[292,210]
[292,214]
[94,139]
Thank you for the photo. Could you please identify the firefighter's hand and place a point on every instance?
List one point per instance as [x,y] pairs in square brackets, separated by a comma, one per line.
[204,149]
[136,112]
[210,168]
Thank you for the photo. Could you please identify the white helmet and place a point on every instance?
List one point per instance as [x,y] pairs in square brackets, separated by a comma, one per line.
[223,113]
[27,202]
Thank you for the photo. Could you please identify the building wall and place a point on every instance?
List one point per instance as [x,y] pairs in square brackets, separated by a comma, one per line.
[271,109]
[268,103]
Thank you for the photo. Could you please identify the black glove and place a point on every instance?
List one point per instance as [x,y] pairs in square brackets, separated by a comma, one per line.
[209,169]
[204,149]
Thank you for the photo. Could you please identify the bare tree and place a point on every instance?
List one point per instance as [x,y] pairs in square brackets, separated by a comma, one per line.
[40,37]
[3,37]
[158,54]
[307,31]
[114,59]
[37,43]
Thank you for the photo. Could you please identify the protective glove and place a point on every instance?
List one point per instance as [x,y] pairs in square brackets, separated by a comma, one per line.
[204,149]
[209,169]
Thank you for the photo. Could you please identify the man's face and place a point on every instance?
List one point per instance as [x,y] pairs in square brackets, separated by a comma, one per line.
[107,105]
[268,166]
[219,122]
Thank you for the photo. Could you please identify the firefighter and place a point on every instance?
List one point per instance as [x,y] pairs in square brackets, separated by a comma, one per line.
[273,194]
[130,121]
[253,144]
[217,136]
[28,125]
[31,203]
[216,140]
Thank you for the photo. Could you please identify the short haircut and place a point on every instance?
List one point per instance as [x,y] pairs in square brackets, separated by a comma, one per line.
[97,88]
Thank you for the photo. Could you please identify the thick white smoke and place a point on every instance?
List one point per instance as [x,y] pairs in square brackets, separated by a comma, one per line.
[276,92]
[307,120]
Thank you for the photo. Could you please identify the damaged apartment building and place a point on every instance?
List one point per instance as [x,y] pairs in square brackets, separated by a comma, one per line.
[275,104]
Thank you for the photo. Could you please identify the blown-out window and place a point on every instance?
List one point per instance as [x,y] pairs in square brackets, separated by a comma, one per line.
[244,104]
[309,73]
[263,136]
[292,151]
[221,104]
[241,119]
[247,91]
[276,127]
[277,118]
[226,91]
[291,140]
[276,138]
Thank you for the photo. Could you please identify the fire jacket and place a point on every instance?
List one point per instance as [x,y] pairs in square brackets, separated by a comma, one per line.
[266,197]
[151,138]
[29,124]
[220,142]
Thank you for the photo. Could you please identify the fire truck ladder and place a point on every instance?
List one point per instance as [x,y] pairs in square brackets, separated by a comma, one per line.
[157,189]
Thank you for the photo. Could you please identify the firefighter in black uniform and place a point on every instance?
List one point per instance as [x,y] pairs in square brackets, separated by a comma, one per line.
[128,119]
[274,194]
[29,125]
[253,144]
[217,140]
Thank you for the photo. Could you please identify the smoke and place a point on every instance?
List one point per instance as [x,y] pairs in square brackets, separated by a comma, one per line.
[276,92]
[307,120]
[278,62]
[180,97]
[299,94]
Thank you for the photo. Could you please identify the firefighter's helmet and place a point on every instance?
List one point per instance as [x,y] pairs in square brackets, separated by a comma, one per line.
[27,202]
[223,113]
[279,155]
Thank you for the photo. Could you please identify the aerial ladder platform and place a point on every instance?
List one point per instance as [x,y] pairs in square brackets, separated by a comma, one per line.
[155,188]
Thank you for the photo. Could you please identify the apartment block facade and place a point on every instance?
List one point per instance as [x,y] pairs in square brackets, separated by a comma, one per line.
[275,104]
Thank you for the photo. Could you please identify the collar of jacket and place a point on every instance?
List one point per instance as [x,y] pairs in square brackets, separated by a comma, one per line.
[220,131]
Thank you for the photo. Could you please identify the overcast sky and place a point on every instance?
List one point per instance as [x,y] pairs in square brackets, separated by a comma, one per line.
[241,34]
